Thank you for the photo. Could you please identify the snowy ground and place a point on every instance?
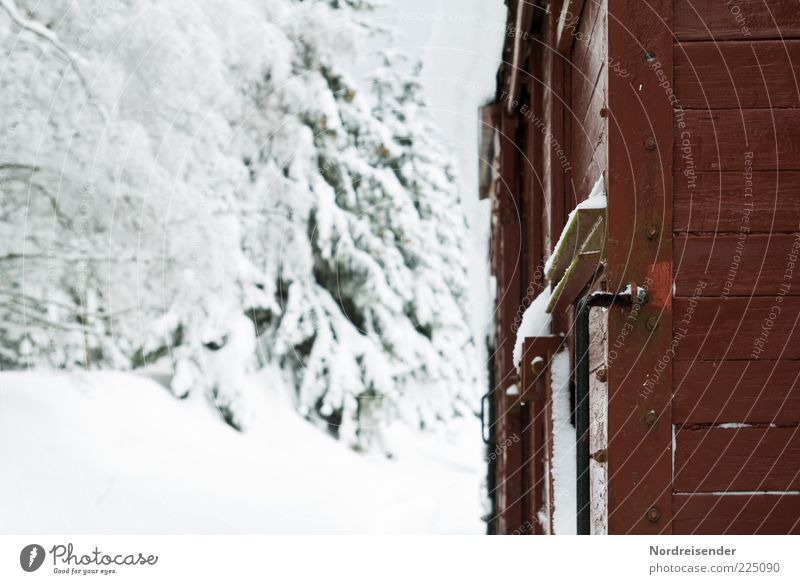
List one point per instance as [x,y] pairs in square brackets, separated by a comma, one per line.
[116,453]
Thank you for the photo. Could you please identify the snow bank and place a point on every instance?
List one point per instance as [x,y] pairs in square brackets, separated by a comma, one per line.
[535,322]
[564,465]
[116,453]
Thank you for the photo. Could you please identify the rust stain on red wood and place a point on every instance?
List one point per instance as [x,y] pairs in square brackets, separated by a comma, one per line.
[659,284]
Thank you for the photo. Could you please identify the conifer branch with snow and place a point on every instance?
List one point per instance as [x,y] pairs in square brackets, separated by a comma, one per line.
[251,203]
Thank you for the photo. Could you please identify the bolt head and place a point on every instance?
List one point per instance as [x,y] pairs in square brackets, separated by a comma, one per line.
[653,514]
[537,367]
[651,323]
[649,143]
[651,232]
[601,374]
[650,418]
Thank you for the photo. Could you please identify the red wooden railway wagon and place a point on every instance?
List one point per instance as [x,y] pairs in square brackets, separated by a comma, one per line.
[679,300]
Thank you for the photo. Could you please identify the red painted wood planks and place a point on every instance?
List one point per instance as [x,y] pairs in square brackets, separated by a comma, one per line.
[740,75]
[737,265]
[713,329]
[767,202]
[737,140]
[743,19]
[740,459]
[588,96]
[715,392]
[736,514]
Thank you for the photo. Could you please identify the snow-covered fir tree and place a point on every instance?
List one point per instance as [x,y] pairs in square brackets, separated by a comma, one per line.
[202,185]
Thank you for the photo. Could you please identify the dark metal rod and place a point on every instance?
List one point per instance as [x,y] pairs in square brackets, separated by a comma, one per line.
[585,304]
[582,413]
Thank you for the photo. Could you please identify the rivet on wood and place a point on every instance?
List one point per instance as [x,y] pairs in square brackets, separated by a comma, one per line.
[600,456]
[652,232]
[601,374]
[649,143]
[649,56]
[653,514]
[651,323]
[603,112]
[650,418]
[537,367]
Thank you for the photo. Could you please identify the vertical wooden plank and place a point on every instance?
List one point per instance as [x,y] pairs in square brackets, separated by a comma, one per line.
[500,368]
[516,10]
[495,494]
[535,392]
[533,431]
[598,421]
[488,132]
[510,487]
[570,14]
[558,121]
[639,186]
[534,161]
[549,482]
[555,146]
[588,96]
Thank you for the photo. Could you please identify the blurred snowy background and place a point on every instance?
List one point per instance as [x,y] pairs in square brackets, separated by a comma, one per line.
[244,265]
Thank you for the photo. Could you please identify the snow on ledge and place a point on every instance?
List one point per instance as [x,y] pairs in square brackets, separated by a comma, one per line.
[535,322]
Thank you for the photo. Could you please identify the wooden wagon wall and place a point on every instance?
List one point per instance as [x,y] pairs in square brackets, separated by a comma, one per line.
[691,111]
[552,131]
[736,401]
[516,253]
